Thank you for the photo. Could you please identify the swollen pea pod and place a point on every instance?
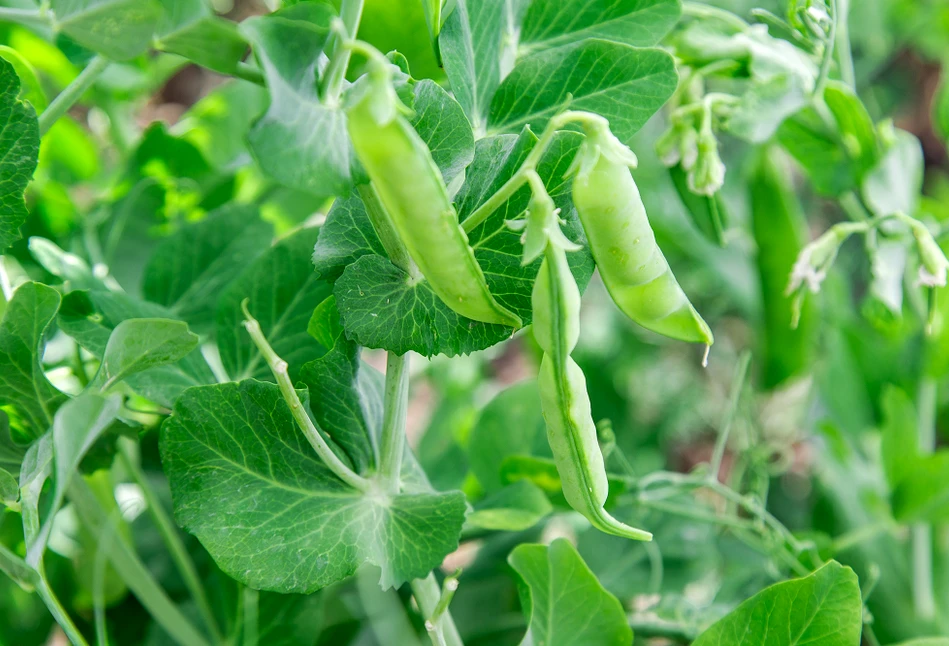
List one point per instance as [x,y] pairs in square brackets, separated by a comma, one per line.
[564,399]
[623,244]
[411,187]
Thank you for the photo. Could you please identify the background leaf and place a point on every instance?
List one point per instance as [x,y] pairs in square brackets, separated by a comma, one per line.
[119,29]
[137,345]
[563,600]
[821,609]
[283,290]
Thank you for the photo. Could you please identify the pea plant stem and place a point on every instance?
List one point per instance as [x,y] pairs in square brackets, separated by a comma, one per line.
[528,167]
[332,83]
[72,93]
[924,599]
[280,372]
[393,420]
[30,17]
[442,630]
[251,616]
[171,537]
[699,10]
[844,52]
[721,443]
[59,613]
[133,572]
[388,236]
[827,59]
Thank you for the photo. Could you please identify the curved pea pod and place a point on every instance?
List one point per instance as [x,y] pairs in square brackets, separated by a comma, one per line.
[571,432]
[572,437]
[624,247]
[412,189]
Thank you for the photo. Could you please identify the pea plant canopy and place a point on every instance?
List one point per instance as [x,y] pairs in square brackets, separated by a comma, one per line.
[301,341]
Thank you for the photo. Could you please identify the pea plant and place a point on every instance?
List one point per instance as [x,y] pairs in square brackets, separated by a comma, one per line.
[567,322]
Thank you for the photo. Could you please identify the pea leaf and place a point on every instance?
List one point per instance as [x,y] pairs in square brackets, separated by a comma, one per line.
[346,237]
[926,641]
[514,508]
[273,516]
[442,125]
[119,29]
[554,23]
[283,290]
[510,424]
[382,308]
[11,451]
[821,609]
[23,384]
[563,600]
[478,45]
[625,84]
[299,141]
[896,182]
[857,131]
[808,140]
[90,318]
[137,345]
[76,427]
[349,406]
[188,269]
[923,492]
[189,28]
[19,150]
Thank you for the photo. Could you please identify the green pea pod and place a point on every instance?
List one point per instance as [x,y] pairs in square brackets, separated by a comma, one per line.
[707,212]
[571,432]
[624,247]
[412,189]
[780,231]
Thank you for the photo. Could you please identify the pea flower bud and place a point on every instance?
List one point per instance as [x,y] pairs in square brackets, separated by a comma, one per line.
[933,263]
[814,261]
[707,176]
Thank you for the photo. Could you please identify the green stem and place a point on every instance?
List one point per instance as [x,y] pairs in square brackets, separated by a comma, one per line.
[136,576]
[828,57]
[32,17]
[924,599]
[527,168]
[250,73]
[171,537]
[72,93]
[388,236]
[738,385]
[332,85]
[844,53]
[251,616]
[704,11]
[393,420]
[59,613]
[428,594]
[279,369]
[17,569]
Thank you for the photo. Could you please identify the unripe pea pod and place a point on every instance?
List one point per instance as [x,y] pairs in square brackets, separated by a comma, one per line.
[411,187]
[623,244]
[571,432]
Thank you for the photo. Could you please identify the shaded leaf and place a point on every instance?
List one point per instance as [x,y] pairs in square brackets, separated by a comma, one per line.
[189,28]
[299,141]
[514,508]
[90,318]
[23,383]
[188,270]
[137,345]
[19,150]
[283,290]
[119,29]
